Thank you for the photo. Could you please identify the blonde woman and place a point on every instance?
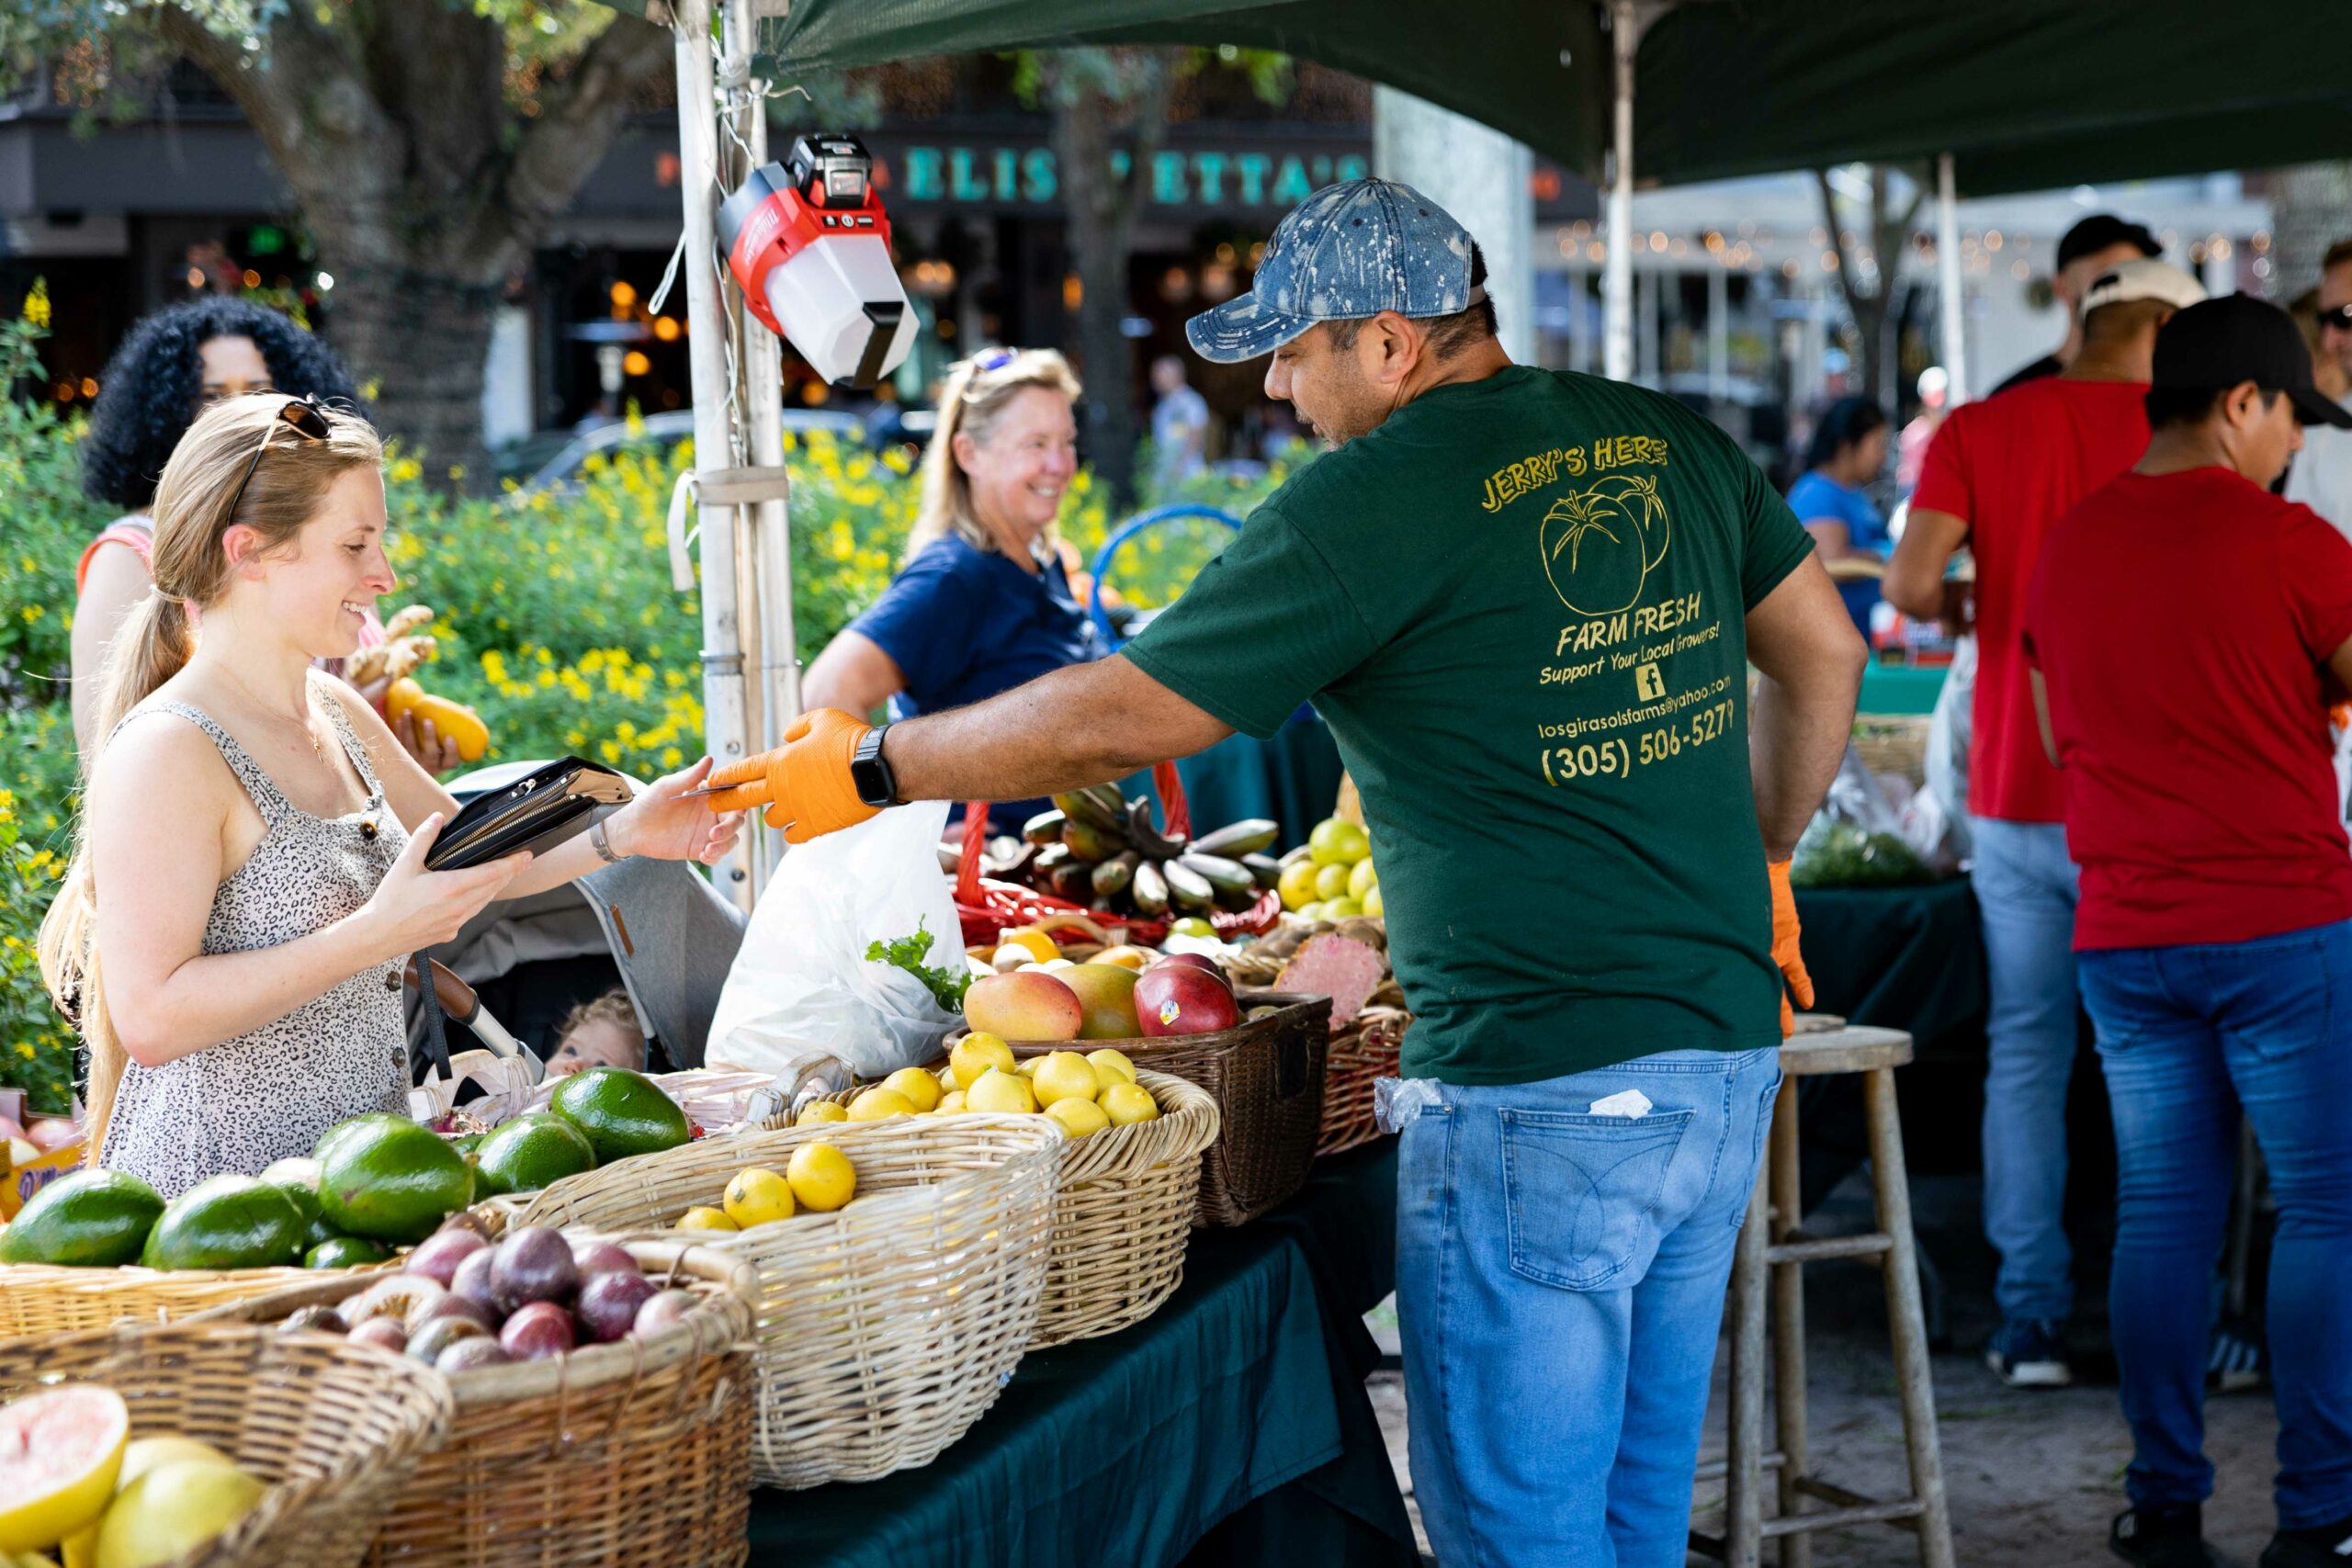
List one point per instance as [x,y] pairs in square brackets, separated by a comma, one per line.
[983,603]
[250,877]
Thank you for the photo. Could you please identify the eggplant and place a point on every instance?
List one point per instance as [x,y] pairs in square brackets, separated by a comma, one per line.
[1187,888]
[1115,875]
[1046,828]
[1266,869]
[1150,889]
[1237,838]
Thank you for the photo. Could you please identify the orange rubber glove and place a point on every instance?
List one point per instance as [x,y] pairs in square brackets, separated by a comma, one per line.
[1784,947]
[810,790]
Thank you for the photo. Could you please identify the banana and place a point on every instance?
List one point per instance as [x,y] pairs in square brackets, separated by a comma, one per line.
[1228,878]
[1088,806]
[1046,828]
[1113,876]
[1150,889]
[1146,837]
[1091,844]
[1237,838]
[1265,868]
[1187,888]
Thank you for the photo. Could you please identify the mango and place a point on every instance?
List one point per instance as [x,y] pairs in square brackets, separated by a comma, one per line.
[1024,1005]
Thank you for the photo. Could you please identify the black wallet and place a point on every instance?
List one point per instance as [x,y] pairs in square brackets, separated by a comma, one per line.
[535,812]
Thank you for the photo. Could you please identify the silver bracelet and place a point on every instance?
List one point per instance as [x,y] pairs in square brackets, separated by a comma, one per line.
[602,845]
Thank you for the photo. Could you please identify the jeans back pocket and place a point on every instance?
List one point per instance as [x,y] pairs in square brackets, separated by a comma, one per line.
[1580,1194]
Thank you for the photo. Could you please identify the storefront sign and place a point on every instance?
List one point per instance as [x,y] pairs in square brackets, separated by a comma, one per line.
[1222,179]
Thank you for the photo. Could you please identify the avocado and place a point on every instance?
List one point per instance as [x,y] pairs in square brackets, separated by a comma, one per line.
[390,1181]
[621,1114]
[88,1219]
[226,1222]
[531,1151]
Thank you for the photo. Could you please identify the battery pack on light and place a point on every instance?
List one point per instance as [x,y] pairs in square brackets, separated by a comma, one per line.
[809,243]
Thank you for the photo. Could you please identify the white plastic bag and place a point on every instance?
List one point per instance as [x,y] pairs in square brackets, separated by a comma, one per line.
[801,990]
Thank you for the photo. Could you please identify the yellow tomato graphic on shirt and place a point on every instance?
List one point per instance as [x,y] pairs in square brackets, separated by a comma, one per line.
[1601,543]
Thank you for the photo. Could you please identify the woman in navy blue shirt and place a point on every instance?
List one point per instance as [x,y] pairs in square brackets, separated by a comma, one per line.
[983,603]
[1831,499]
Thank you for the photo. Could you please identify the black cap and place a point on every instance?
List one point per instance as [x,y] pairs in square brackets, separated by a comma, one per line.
[2236,338]
[2098,231]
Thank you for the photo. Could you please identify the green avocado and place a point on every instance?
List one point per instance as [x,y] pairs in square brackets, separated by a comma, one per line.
[227,1222]
[89,1219]
[344,1252]
[392,1180]
[621,1112]
[531,1151]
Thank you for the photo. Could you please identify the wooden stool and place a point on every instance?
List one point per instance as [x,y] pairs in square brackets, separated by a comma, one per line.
[1771,1243]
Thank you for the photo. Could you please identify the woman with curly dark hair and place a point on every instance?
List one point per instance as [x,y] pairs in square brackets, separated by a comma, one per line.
[171,367]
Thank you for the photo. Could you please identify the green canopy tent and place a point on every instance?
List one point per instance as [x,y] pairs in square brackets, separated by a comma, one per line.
[2005,95]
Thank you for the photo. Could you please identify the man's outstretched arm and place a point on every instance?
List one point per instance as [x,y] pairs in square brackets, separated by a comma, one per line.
[1079,725]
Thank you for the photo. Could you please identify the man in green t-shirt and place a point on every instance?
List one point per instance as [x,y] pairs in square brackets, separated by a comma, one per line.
[1526,604]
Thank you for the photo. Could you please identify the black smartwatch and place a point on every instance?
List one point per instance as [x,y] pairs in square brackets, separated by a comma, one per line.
[870,774]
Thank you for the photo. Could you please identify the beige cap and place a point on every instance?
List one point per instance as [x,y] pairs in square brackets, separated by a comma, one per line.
[2143,279]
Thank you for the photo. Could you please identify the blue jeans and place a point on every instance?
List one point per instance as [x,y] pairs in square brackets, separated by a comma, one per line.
[2025,891]
[1559,1284]
[2189,1036]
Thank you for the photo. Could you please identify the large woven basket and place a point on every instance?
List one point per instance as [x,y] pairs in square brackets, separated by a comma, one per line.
[39,1299]
[636,1454]
[1267,1080]
[884,1330]
[1122,1216]
[332,1427]
[1363,1053]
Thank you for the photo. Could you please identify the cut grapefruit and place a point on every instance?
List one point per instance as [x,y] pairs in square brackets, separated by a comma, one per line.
[60,1452]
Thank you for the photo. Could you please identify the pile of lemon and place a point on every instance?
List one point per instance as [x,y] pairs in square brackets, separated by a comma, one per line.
[1330,877]
[1082,1094]
[818,1179]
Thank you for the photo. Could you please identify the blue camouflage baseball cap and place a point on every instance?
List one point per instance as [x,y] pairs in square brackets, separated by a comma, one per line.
[1347,253]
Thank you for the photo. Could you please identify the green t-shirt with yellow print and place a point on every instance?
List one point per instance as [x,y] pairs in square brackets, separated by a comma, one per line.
[1520,606]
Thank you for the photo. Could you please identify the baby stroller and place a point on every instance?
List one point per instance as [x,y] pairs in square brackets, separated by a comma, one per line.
[655,928]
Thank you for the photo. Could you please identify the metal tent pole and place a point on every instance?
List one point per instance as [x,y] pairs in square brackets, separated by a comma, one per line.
[707,328]
[1617,269]
[1948,286]
[761,357]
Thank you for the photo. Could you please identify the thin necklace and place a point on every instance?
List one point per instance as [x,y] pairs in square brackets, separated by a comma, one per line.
[309,732]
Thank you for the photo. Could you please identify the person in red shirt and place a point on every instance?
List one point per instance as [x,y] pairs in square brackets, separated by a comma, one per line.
[1996,476]
[2186,631]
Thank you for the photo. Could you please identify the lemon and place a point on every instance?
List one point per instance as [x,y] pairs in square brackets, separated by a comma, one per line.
[950,1103]
[975,1054]
[1028,1069]
[820,1110]
[1065,1075]
[703,1218]
[1298,884]
[756,1196]
[1079,1118]
[143,1455]
[172,1510]
[1311,911]
[1037,944]
[877,1103]
[1373,904]
[1334,842]
[1111,1066]
[1362,880]
[1332,881]
[996,1089]
[1127,1103]
[919,1087]
[821,1176]
[1341,909]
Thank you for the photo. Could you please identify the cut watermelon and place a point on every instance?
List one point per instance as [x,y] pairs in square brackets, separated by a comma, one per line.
[60,1452]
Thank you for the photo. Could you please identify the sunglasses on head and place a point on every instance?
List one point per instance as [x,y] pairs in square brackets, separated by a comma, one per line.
[304,417]
[992,360]
[2340,318]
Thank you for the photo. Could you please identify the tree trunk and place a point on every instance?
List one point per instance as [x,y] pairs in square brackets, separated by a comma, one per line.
[420,343]
[424,184]
[2311,209]
[1101,210]
[1890,231]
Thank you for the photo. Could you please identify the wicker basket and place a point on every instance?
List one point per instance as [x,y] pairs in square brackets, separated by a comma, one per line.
[1895,743]
[883,1330]
[636,1454]
[37,1298]
[332,1427]
[1267,1080]
[1361,1054]
[1123,1214]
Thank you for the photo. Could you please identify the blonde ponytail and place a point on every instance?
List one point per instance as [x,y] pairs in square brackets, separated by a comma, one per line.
[978,392]
[196,501]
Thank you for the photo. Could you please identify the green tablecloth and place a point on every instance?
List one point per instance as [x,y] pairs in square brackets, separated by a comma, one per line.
[1233,1421]
[1901,688]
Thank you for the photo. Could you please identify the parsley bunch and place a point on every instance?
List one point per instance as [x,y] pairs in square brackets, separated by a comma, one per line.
[908,953]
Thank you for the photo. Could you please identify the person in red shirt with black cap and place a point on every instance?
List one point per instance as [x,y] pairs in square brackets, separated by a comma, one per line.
[1998,474]
[2186,630]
